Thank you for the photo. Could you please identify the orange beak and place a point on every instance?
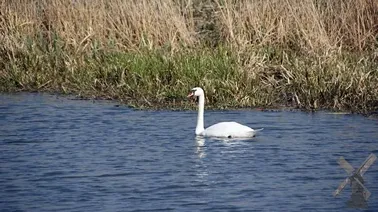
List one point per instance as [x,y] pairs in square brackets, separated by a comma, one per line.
[190,94]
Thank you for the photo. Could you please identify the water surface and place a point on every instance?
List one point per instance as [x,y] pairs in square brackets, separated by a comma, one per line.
[59,154]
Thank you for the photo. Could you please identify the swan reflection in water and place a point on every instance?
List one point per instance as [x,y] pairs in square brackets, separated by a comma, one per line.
[201,168]
[200,147]
[227,146]
[201,143]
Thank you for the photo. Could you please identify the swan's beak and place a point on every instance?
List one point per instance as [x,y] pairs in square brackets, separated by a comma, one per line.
[190,94]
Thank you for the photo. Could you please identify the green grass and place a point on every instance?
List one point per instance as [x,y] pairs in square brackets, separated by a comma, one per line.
[303,54]
[262,77]
[148,78]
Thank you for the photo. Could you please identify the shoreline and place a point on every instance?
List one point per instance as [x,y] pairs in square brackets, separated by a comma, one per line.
[242,53]
[153,79]
[191,105]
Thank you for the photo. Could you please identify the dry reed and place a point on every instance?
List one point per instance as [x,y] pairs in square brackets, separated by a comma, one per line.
[309,54]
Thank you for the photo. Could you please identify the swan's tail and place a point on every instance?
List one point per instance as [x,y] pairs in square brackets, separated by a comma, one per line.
[254,132]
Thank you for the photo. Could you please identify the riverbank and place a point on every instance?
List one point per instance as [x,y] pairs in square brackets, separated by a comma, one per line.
[154,54]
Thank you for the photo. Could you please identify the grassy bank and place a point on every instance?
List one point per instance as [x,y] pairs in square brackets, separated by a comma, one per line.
[306,54]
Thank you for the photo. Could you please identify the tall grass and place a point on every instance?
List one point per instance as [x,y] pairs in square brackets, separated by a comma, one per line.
[308,25]
[303,53]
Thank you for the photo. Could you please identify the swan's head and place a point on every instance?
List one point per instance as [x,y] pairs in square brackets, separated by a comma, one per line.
[197,91]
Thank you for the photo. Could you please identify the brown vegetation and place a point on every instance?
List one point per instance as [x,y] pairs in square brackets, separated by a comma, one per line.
[306,53]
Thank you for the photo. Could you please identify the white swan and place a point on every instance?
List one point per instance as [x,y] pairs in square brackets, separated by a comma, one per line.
[222,129]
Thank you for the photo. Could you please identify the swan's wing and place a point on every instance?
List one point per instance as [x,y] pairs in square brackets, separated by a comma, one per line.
[229,129]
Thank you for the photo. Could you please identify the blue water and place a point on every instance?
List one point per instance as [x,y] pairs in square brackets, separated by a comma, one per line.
[59,154]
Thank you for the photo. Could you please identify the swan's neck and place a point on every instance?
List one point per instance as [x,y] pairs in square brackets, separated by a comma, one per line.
[200,126]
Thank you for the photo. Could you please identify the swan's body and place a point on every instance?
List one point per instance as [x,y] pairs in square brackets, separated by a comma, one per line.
[222,129]
[229,130]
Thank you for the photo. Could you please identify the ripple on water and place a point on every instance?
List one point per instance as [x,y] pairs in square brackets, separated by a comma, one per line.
[59,154]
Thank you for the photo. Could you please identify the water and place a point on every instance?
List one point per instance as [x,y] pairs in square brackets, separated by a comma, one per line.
[58,154]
